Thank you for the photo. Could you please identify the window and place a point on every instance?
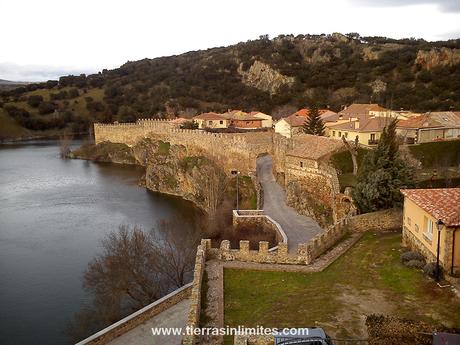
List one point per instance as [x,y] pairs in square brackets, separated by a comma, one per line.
[301,164]
[333,133]
[346,134]
[429,229]
[340,134]
[221,122]
[209,122]
[372,136]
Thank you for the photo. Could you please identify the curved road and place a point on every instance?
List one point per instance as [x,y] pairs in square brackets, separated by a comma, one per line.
[298,228]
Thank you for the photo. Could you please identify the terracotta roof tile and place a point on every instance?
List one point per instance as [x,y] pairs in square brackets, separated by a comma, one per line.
[422,121]
[295,120]
[361,109]
[209,116]
[442,203]
[363,124]
[305,112]
[329,116]
[313,146]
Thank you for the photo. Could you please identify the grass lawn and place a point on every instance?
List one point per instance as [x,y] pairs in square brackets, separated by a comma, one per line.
[367,279]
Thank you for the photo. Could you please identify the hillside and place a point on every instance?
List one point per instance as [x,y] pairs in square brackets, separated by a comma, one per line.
[272,75]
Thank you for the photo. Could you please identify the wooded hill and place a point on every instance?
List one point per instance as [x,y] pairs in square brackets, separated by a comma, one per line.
[275,76]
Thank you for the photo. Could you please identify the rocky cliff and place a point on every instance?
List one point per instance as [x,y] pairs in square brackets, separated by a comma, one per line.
[429,59]
[263,77]
[170,169]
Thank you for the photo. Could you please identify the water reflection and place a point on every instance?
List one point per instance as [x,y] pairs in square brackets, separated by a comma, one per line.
[53,214]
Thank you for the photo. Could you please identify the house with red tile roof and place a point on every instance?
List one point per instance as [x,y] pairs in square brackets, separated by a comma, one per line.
[428,127]
[293,124]
[267,120]
[240,119]
[432,215]
[211,120]
[367,129]
[362,109]
[233,118]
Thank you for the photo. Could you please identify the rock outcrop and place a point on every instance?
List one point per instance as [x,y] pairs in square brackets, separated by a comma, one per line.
[429,59]
[263,77]
[173,169]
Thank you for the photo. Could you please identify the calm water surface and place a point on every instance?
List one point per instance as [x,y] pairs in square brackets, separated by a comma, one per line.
[53,214]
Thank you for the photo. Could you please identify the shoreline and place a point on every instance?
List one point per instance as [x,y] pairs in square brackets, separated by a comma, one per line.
[42,137]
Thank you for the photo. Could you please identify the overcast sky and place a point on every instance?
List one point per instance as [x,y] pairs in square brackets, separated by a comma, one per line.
[48,38]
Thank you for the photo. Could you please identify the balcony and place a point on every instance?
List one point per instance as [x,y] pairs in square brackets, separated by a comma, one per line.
[372,141]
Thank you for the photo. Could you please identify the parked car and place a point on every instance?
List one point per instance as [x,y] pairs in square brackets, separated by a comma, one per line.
[302,336]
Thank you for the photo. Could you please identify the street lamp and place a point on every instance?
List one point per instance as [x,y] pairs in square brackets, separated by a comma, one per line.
[237,173]
[439,225]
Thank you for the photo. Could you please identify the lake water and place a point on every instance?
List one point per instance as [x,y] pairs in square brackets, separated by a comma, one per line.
[53,214]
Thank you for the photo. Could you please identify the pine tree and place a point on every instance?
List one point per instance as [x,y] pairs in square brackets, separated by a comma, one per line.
[313,124]
[382,174]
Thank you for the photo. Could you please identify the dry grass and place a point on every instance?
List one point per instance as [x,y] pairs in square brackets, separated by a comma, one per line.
[367,279]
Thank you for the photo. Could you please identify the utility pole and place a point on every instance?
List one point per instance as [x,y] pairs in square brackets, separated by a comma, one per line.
[439,225]
[237,173]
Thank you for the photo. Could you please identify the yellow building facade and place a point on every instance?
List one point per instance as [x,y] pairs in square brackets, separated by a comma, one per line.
[423,208]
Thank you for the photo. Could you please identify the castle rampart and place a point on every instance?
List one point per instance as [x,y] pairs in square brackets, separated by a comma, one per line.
[232,150]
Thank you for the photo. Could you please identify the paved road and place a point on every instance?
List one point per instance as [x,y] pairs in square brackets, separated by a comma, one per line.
[175,316]
[298,228]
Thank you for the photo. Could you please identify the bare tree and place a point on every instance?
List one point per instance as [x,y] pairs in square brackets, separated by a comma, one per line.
[214,190]
[135,268]
[64,145]
[126,271]
[353,149]
[174,254]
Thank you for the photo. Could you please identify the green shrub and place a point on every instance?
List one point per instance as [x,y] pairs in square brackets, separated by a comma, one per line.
[442,153]
[343,163]
[163,148]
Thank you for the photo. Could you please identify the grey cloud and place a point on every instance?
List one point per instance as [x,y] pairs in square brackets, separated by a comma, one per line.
[15,72]
[444,5]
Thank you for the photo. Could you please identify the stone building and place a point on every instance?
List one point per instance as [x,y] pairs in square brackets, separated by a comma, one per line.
[211,120]
[423,209]
[293,124]
[367,129]
[312,185]
[267,120]
[435,126]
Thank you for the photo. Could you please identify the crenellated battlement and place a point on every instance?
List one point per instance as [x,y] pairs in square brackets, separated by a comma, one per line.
[305,253]
[232,150]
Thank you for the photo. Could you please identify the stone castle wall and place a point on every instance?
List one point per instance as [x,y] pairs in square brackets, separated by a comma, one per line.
[385,220]
[257,217]
[193,317]
[306,252]
[234,151]
[312,189]
[138,318]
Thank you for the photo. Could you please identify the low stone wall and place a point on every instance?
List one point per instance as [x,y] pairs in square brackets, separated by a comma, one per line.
[262,255]
[139,317]
[193,318]
[324,241]
[306,252]
[258,217]
[385,220]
